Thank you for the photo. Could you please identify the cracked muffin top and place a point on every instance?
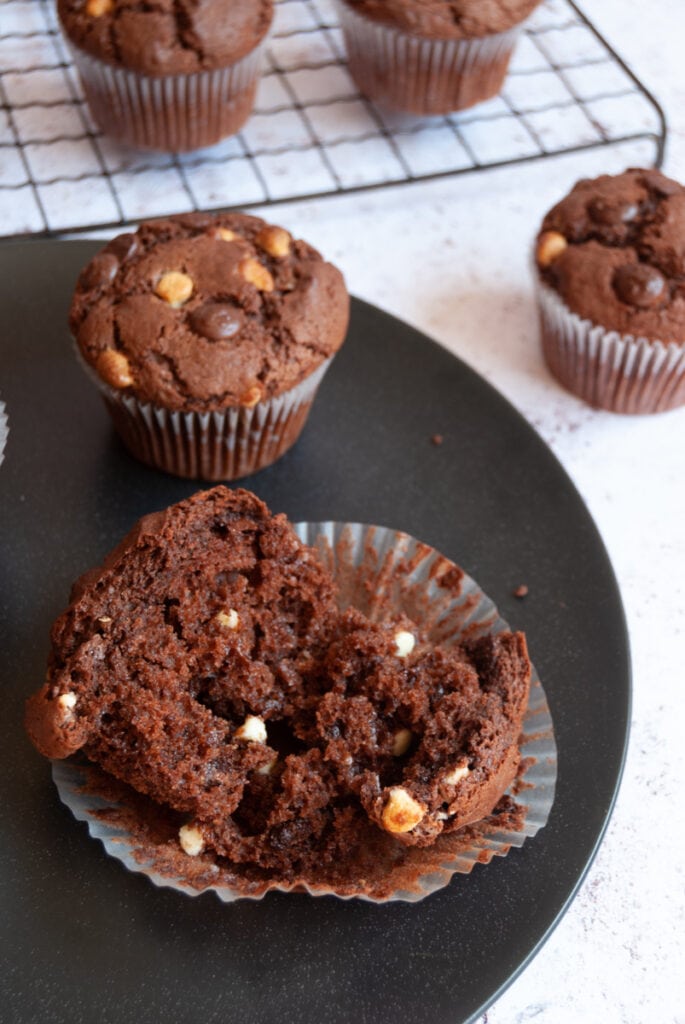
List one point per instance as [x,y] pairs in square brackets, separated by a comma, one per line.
[447,19]
[201,312]
[166,36]
[614,250]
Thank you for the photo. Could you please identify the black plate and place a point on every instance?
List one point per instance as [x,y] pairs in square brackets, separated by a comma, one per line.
[85,939]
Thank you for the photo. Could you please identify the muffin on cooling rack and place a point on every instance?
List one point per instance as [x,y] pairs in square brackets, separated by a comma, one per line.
[166,75]
[611,285]
[208,336]
[431,56]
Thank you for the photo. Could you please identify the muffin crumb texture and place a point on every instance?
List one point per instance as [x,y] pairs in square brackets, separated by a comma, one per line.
[253,727]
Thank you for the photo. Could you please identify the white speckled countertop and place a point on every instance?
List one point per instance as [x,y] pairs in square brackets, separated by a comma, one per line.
[452,258]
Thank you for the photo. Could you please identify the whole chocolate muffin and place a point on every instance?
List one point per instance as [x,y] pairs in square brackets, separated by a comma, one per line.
[431,56]
[611,265]
[206,664]
[224,321]
[176,74]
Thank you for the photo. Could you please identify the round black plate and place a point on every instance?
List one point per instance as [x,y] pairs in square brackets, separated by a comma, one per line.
[86,940]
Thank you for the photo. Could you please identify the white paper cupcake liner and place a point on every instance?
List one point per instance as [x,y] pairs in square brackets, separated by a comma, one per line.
[4,431]
[421,75]
[382,572]
[223,445]
[169,112]
[612,371]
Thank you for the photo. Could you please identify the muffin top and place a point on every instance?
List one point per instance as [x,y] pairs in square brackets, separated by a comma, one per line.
[167,36]
[614,250]
[201,312]
[447,19]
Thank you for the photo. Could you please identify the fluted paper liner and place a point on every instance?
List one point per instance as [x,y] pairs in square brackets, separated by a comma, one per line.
[3,431]
[169,112]
[223,445]
[609,370]
[422,75]
[381,572]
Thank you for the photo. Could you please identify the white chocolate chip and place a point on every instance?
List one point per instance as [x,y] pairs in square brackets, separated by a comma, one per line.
[275,241]
[67,701]
[114,368]
[229,619]
[96,8]
[456,775]
[191,840]
[174,287]
[404,643]
[402,812]
[105,620]
[268,768]
[252,730]
[550,245]
[401,742]
[257,274]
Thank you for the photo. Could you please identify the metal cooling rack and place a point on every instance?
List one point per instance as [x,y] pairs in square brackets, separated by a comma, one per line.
[312,134]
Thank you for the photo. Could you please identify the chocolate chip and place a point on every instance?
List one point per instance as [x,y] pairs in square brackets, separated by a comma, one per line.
[608,213]
[639,284]
[217,320]
[123,246]
[660,184]
[99,272]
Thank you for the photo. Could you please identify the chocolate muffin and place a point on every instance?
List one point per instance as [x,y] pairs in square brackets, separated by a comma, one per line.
[170,75]
[206,664]
[431,57]
[611,269]
[208,337]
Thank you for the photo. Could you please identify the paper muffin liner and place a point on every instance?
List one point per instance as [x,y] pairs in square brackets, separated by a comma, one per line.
[169,112]
[420,75]
[4,431]
[223,445]
[609,370]
[383,573]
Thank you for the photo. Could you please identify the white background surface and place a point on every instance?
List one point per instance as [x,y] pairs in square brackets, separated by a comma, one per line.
[452,258]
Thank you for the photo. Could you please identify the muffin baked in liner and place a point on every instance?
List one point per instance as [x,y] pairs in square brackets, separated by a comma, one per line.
[222,445]
[421,75]
[609,370]
[207,337]
[167,75]
[169,112]
[381,572]
[3,431]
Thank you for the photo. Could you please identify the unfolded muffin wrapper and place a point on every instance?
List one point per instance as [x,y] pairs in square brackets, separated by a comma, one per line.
[3,431]
[222,445]
[420,75]
[609,370]
[169,112]
[381,572]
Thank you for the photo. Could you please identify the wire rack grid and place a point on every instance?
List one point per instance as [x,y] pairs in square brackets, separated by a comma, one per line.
[311,134]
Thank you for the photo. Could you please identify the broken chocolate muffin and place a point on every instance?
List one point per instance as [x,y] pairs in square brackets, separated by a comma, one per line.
[207,665]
